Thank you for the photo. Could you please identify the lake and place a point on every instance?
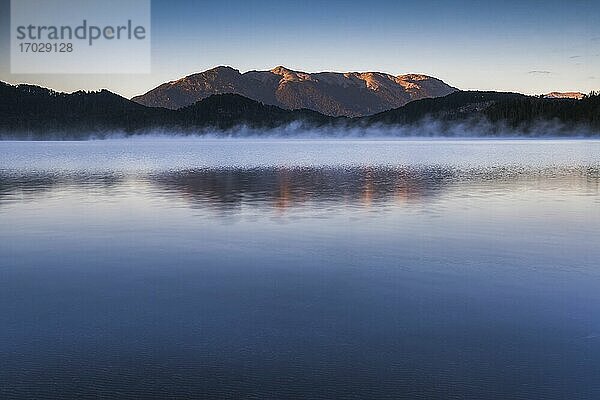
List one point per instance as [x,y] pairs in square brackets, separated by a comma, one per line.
[407,269]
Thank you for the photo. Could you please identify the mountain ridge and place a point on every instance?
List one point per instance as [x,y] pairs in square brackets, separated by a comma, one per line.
[350,94]
[564,95]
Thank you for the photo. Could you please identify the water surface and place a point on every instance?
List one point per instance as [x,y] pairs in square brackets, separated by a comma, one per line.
[284,269]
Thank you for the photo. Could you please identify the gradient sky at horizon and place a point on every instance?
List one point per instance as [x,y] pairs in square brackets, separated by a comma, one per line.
[525,46]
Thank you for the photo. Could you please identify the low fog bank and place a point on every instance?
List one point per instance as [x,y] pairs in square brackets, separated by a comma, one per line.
[427,128]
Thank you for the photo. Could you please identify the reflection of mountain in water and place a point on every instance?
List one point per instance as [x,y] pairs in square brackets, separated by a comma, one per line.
[357,186]
[289,187]
[280,188]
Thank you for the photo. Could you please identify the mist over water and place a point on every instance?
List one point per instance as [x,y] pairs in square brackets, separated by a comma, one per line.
[343,129]
[417,269]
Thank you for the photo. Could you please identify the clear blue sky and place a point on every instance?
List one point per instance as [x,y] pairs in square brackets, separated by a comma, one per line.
[525,46]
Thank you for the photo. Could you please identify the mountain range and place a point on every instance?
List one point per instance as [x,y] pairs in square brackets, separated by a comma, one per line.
[564,95]
[28,111]
[352,94]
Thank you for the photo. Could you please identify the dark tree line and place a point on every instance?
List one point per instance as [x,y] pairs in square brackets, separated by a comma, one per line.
[501,111]
[32,111]
[38,112]
[521,111]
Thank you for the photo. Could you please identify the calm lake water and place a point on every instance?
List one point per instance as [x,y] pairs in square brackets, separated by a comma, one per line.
[300,269]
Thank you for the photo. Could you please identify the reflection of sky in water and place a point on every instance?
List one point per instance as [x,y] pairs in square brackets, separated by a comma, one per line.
[470,273]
